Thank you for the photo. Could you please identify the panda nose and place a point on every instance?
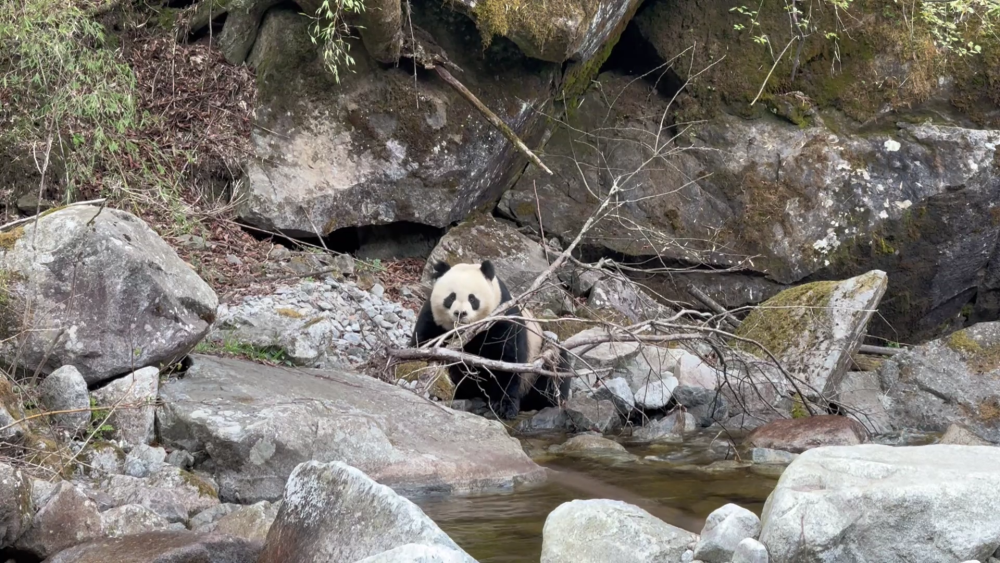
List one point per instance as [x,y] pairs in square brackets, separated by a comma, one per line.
[460,315]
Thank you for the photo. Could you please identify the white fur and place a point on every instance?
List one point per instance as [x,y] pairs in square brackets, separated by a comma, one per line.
[464,280]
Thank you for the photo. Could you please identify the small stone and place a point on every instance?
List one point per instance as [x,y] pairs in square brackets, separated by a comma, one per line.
[233,260]
[549,418]
[670,428]
[769,456]
[138,390]
[377,290]
[104,458]
[65,389]
[591,415]
[144,460]
[656,394]
[750,551]
[617,391]
[181,458]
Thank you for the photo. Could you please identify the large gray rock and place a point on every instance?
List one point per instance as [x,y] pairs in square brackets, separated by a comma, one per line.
[363,153]
[617,391]
[131,519]
[64,390]
[609,531]
[652,364]
[934,504]
[255,427]
[814,328]
[656,394]
[625,299]
[110,294]
[951,380]
[162,547]
[321,497]
[67,519]
[248,522]
[16,508]
[587,414]
[959,435]
[135,394]
[172,493]
[724,529]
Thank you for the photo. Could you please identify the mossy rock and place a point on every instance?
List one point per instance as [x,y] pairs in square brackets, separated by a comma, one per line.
[204,488]
[980,357]
[777,322]
[441,388]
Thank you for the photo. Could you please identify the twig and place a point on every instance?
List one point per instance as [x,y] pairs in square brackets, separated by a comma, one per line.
[490,116]
[879,350]
[713,305]
[770,72]
[19,222]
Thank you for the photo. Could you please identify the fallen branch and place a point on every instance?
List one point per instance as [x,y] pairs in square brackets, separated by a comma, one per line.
[713,305]
[879,350]
[490,116]
[549,356]
[19,222]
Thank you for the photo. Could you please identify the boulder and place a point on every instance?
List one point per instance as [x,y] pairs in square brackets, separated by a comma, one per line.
[950,380]
[321,497]
[255,428]
[750,551]
[724,529]
[67,519]
[813,329]
[609,531]
[625,300]
[652,364]
[162,547]
[549,418]
[656,394]
[172,493]
[797,435]
[136,395]
[617,391]
[705,404]
[518,259]
[418,553]
[933,504]
[756,392]
[331,156]
[111,295]
[64,390]
[959,435]
[131,519]
[16,508]
[860,397]
[692,371]
[587,414]
[247,522]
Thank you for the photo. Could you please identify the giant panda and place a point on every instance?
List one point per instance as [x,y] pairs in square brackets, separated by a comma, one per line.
[467,293]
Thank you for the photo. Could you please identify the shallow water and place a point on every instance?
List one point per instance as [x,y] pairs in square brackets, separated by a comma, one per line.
[507,528]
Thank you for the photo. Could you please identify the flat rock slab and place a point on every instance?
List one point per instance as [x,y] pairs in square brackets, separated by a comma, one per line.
[257,423]
[162,547]
[797,435]
[883,504]
[812,329]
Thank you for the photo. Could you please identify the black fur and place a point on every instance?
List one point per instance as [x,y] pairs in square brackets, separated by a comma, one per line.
[488,270]
[440,269]
[506,341]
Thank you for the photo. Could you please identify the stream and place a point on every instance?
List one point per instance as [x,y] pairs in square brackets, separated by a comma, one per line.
[692,477]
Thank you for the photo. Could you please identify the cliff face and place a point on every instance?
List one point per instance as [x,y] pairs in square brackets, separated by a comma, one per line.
[873,149]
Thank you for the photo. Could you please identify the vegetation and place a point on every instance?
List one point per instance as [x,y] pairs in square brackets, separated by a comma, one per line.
[329,29]
[269,355]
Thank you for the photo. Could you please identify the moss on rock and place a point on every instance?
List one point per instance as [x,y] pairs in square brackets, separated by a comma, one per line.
[785,318]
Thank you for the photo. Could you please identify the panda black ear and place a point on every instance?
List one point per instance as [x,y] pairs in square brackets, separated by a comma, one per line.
[487,269]
[440,268]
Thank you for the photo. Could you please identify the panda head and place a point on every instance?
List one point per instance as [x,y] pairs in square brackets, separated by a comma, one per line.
[463,293]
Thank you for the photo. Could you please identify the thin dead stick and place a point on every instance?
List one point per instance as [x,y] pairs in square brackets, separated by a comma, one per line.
[19,222]
[490,116]
[879,350]
[713,305]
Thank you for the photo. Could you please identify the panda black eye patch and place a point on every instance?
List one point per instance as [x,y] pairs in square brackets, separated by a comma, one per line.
[474,302]
[450,300]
